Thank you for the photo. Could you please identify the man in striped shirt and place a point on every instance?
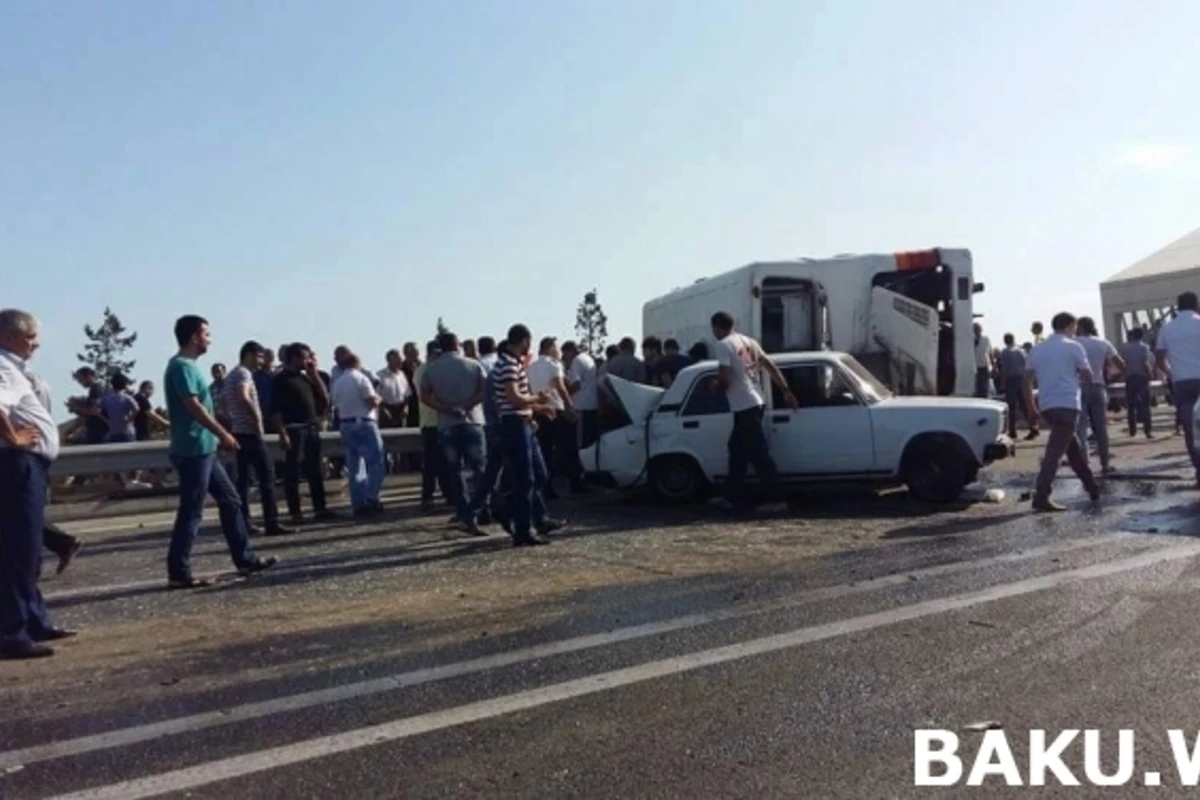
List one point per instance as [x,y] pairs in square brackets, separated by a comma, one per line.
[515,407]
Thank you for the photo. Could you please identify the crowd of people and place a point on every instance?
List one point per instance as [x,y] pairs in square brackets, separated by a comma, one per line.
[1072,371]
[484,405]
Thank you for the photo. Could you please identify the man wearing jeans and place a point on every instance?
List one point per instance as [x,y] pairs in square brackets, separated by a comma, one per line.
[1059,365]
[358,407]
[299,399]
[1139,369]
[453,385]
[1178,352]
[195,437]
[739,359]
[515,407]
[244,408]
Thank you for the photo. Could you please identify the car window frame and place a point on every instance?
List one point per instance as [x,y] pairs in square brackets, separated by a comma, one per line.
[698,385]
[847,379]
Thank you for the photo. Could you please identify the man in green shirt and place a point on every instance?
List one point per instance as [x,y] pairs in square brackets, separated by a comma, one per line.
[195,437]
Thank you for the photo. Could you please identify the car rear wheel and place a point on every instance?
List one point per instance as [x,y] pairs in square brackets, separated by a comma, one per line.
[936,475]
[677,479]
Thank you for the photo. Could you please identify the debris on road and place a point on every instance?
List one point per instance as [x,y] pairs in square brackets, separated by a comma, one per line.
[981,624]
[986,725]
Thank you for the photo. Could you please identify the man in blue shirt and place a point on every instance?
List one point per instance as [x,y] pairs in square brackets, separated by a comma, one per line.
[195,438]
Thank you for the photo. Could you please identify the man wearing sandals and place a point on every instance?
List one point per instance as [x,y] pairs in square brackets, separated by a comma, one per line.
[195,438]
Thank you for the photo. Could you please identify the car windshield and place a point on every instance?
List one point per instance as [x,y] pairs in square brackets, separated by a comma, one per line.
[871,387]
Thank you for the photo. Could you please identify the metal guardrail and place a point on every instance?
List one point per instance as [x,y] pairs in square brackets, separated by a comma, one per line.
[102,459]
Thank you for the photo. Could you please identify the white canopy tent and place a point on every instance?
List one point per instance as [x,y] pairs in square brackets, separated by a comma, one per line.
[1144,293]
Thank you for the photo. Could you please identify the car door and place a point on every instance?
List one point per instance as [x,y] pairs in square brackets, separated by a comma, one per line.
[701,427]
[829,433]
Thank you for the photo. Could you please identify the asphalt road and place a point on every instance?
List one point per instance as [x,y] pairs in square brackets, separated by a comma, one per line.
[648,652]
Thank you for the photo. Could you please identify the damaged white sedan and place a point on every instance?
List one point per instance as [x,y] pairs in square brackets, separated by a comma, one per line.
[848,428]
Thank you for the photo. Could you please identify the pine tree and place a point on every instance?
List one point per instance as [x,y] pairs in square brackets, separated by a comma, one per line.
[591,325]
[441,327]
[105,349]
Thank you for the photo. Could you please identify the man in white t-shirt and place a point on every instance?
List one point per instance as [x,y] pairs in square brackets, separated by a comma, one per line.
[1058,365]
[582,380]
[739,360]
[358,406]
[1094,394]
[556,434]
[983,363]
[1178,350]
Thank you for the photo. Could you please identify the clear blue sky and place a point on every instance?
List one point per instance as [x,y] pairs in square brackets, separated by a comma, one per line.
[347,172]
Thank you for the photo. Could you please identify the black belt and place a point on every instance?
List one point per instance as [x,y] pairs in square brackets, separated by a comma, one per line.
[357,419]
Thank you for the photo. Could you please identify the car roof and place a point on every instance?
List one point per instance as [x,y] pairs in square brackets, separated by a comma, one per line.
[684,380]
[778,358]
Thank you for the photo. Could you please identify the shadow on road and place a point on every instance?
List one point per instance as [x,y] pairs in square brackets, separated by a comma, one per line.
[954,527]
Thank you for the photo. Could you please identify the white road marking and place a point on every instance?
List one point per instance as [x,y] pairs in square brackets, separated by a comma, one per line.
[210,719]
[275,757]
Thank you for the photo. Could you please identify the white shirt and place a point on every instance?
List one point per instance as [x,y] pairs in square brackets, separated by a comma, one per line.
[394,388]
[983,353]
[25,399]
[1180,338]
[583,372]
[1099,351]
[542,373]
[740,355]
[350,394]
[488,362]
[1057,363]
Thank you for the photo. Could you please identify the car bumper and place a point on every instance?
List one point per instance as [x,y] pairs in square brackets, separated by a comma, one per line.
[1002,448]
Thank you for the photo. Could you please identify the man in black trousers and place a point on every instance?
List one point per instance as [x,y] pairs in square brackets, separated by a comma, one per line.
[28,445]
[241,404]
[299,399]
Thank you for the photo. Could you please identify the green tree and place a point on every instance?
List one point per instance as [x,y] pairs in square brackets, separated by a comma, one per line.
[104,351]
[591,325]
[441,327]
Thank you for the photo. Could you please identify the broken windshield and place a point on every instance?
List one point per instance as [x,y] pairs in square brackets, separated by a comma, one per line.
[873,391]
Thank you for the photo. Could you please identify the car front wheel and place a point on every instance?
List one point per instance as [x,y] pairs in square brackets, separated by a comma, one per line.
[936,475]
[677,479]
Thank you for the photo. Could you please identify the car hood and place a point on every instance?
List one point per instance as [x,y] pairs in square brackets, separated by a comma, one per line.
[638,400]
[942,403]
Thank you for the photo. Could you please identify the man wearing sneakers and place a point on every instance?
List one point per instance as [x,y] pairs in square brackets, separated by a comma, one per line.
[195,438]
[515,407]
[1059,365]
